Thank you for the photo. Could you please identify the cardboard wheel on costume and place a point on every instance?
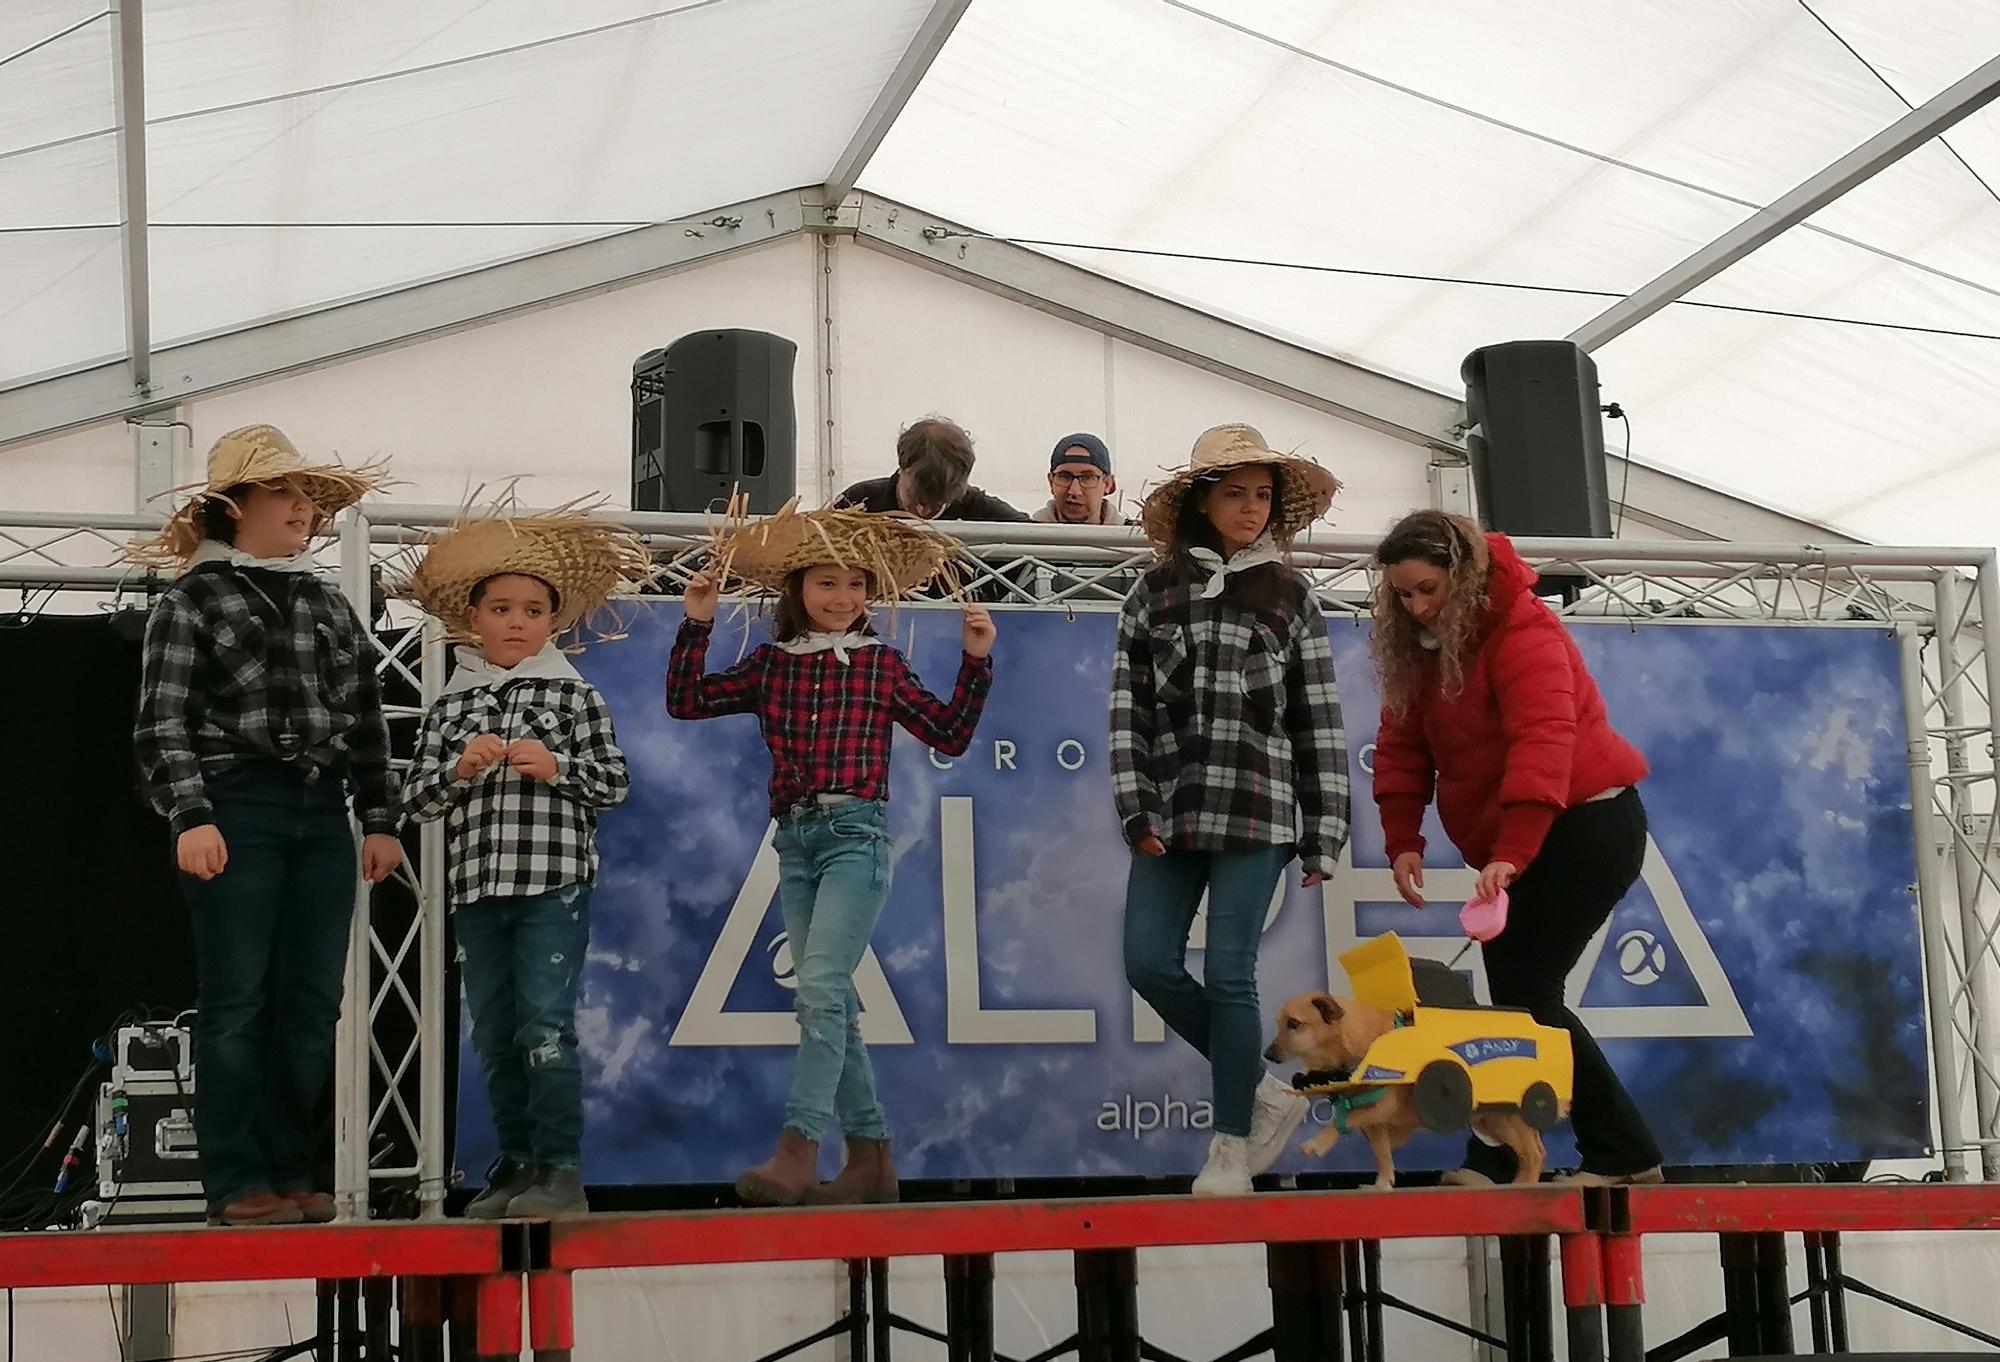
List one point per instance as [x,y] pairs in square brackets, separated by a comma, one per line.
[1458,1061]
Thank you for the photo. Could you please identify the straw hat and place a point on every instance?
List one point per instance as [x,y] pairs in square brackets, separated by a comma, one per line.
[1308,490]
[258,454]
[586,558]
[901,553]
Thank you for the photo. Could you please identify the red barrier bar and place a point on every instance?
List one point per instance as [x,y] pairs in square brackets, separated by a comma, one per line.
[1691,1208]
[551,1312]
[500,1315]
[739,1236]
[269,1253]
[1582,1271]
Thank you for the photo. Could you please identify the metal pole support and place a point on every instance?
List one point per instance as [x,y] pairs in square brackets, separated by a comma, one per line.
[1624,1299]
[498,1316]
[968,1307]
[422,1319]
[551,1315]
[1583,1296]
[1107,1305]
[1306,1288]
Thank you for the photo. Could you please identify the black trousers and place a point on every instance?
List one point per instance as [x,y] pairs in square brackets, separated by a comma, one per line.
[1593,854]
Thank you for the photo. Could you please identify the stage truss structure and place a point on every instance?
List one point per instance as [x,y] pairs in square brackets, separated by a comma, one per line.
[1941,603]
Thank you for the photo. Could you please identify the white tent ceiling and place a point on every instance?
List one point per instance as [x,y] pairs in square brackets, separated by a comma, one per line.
[1583,145]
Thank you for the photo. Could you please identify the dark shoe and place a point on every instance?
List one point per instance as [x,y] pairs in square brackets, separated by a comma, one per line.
[258,1208]
[316,1208]
[505,1180]
[869,1175]
[1645,1177]
[557,1191]
[782,1179]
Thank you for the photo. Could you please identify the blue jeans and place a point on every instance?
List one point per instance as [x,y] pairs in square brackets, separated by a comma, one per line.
[833,878]
[270,939]
[1219,1015]
[523,956]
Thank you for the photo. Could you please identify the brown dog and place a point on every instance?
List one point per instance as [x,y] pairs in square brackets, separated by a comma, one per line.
[1322,1033]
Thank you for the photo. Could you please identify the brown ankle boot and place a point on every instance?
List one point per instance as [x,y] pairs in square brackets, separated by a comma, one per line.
[782,1180]
[869,1175]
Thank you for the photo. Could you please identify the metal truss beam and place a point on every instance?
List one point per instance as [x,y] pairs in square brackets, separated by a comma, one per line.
[306,341]
[128,45]
[1384,403]
[1955,102]
[931,36]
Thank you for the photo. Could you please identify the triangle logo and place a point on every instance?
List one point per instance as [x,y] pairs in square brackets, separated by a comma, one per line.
[707,1020]
[1650,971]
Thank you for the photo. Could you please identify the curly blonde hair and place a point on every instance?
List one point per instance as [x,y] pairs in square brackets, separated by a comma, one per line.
[1405,662]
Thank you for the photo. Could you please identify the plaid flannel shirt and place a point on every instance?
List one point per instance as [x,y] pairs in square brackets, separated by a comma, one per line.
[242,666]
[505,833]
[1225,724]
[828,722]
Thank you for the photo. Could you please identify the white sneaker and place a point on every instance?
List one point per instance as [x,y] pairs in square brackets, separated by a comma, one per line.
[1276,1115]
[1227,1172]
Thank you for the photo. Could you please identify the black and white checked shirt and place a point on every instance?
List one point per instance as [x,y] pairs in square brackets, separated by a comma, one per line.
[506,834]
[248,665]
[1226,730]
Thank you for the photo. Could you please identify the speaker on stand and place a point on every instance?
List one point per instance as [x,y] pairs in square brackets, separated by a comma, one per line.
[1536,443]
[712,415]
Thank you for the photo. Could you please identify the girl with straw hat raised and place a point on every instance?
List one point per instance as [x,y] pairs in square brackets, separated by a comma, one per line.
[518,756]
[827,692]
[258,717]
[1227,759]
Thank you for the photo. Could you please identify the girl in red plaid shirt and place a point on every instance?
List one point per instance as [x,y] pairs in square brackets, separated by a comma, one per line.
[827,693]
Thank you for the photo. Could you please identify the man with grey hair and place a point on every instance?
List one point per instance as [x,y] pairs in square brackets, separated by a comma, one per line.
[932,480]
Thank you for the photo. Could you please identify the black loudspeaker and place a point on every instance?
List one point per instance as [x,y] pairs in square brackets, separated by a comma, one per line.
[1537,439]
[712,415]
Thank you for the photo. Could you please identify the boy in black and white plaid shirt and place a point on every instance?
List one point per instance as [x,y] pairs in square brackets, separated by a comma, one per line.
[518,757]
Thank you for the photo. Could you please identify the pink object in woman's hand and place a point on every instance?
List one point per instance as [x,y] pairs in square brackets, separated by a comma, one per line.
[1484,919]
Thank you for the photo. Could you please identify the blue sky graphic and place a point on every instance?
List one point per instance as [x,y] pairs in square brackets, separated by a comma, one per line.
[1779,798]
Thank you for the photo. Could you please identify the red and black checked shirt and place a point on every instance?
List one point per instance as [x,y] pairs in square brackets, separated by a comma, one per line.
[827,722]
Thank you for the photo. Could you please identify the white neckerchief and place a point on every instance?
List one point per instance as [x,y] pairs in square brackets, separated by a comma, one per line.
[838,644]
[476,673]
[215,551]
[1254,554]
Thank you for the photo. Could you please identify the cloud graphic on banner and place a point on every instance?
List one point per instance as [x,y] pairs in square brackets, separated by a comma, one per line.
[1779,811]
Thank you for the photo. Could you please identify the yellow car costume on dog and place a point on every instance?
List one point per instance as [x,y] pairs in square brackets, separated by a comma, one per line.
[1456,1060]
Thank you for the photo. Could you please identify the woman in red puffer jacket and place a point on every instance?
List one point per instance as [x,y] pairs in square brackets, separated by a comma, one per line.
[1487,705]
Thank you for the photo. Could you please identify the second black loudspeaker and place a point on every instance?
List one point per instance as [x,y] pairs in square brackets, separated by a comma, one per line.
[712,414]
[1537,443]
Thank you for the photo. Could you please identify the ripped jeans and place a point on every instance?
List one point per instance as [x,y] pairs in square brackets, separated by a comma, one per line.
[833,878]
[523,957]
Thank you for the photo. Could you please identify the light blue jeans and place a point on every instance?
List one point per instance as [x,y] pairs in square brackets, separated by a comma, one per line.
[834,870]
[1217,1015]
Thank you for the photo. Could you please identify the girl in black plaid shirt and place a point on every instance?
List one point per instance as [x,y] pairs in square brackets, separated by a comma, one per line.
[1228,759]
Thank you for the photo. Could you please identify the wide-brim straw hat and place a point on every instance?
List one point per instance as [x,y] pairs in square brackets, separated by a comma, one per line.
[901,553]
[258,454]
[585,557]
[1308,488]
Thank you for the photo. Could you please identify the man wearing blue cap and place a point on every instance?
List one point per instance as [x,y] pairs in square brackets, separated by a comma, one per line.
[1080,484]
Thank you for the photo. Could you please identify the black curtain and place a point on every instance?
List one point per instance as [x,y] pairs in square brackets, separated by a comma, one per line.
[92,926]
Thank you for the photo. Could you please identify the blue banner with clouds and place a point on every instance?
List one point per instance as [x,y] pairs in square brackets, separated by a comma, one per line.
[1759,990]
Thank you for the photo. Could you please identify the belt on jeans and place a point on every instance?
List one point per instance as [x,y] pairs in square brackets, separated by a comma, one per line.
[813,803]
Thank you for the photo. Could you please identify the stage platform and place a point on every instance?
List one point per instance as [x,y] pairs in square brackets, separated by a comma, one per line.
[1323,1249]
